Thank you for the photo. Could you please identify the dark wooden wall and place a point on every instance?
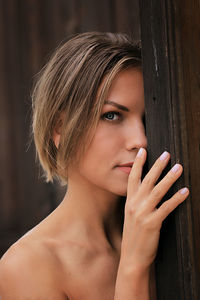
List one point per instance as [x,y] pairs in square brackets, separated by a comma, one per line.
[170,32]
[29,31]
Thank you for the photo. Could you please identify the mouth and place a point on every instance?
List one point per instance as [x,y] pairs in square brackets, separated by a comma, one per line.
[130,164]
[126,168]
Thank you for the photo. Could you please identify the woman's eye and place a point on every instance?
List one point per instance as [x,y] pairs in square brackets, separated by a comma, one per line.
[110,116]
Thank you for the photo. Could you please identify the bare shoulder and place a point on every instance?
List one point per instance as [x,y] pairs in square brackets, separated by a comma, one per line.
[29,268]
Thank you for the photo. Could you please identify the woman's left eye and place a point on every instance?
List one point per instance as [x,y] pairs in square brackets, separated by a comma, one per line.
[110,116]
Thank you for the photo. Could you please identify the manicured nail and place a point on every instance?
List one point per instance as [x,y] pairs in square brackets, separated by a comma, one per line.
[164,155]
[184,190]
[140,152]
[175,168]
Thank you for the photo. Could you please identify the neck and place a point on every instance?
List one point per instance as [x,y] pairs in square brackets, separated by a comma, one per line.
[99,210]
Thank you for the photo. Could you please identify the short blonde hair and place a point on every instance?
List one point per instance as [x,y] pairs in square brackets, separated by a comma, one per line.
[68,84]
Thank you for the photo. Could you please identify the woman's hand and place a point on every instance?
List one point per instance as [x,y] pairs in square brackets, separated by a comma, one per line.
[143,221]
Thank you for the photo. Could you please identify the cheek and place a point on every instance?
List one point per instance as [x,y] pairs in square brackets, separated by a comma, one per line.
[97,166]
[102,151]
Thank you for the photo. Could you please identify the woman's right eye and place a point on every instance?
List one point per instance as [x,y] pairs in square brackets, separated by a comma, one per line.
[110,116]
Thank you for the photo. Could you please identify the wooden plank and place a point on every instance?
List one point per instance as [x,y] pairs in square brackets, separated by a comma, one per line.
[186,36]
[9,179]
[127,17]
[170,103]
[25,200]
[96,15]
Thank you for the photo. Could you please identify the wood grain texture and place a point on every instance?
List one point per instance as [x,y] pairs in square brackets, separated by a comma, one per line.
[170,41]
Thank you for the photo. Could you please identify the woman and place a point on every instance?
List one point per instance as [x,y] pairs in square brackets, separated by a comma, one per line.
[88,127]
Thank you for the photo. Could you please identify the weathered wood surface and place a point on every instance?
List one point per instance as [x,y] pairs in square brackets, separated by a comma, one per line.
[29,31]
[170,33]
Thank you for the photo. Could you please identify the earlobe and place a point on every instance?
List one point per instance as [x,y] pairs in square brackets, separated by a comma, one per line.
[57,131]
[56,140]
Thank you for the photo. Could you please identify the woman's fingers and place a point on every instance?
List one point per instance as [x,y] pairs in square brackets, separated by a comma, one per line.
[142,220]
[134,179]
[168,206]
[147,190]
[152,176]
[164,185]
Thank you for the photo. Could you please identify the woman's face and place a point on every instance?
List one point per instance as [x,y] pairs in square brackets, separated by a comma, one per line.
[119,135]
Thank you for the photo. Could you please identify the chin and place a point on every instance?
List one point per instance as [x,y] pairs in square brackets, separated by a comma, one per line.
[122,193]
[119,189]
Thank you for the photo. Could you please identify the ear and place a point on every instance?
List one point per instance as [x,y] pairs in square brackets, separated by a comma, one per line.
[57,130]
[56,139]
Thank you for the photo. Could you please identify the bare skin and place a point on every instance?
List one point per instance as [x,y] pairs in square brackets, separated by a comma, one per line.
[84,249]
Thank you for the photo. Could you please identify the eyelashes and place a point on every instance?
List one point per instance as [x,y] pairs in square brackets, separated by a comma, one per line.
[115,116]
[108,116]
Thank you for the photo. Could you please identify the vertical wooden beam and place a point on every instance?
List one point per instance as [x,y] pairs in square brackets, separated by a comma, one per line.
[171,65]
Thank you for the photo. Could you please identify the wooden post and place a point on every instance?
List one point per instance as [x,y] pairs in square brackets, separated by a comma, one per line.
[170,33]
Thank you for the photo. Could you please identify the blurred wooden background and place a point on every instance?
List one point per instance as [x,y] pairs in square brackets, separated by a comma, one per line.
[29,32]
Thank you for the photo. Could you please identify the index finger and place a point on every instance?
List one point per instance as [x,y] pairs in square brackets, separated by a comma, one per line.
[134,179]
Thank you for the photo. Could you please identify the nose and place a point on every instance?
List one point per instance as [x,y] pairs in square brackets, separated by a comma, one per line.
[136,137]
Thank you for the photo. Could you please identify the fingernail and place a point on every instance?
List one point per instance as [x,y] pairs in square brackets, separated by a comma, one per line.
[175,168]
[140,152]
[164,155]
[184,191]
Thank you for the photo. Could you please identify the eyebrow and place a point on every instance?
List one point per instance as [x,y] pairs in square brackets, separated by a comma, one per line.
[116,105]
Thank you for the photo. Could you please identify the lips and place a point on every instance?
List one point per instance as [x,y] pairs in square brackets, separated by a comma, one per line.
[126,168]
[127,165]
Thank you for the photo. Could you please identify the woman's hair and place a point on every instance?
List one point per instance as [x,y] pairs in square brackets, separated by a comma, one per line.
[68,84]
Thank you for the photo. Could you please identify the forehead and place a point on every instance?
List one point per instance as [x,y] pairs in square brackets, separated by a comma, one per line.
[127,88]
[131,78]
